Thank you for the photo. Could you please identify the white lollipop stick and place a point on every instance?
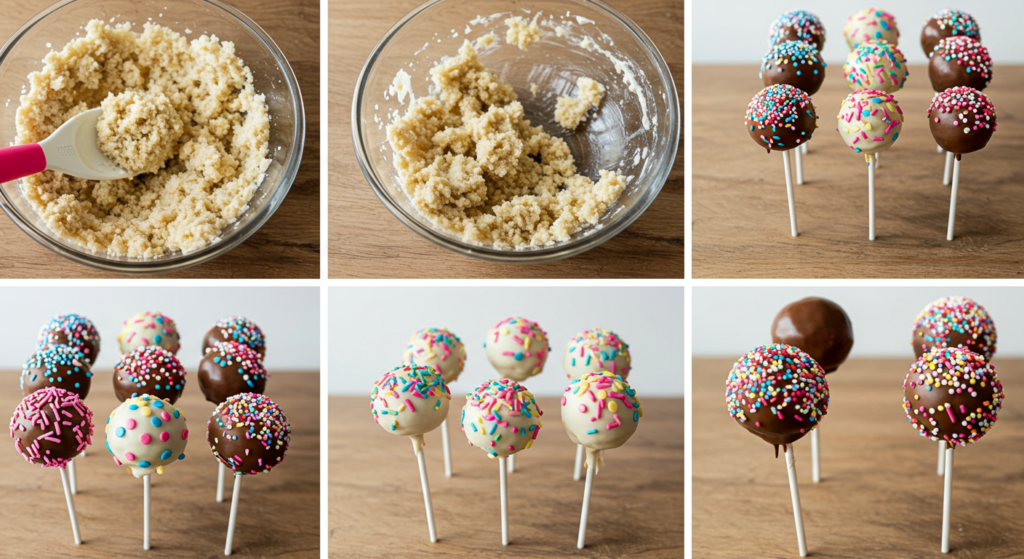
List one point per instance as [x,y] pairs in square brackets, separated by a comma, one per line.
[799,166]
[586,503]
[234,513]
[71,474]
[426,493]
[220,481]
[503,476]
[804,148]
[145,511]
[447,449]
[938,148]
[577,471]
[877,164]
[83,453]
[947,173]
[942,458]
[871,200]
[952,199]
[794,492]
[947,493]
[789,192]
[71,506]
[512,464]
[815,464]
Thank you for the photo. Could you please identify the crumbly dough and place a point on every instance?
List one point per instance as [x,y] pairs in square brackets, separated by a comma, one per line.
[139,130]
[472,165]
[571,111]
[534,88]
[217,163]
[521,33]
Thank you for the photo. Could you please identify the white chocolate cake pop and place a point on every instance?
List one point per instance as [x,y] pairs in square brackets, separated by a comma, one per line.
[146,433]
[600,411]
[148,328]
[410,400]
[870,121]
[876,65]
[517,348]
[501,417]
[871,24]
[596,350]
[436,348]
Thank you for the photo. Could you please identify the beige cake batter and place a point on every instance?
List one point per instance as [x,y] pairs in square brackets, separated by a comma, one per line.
[472,165]
[571,111]
[210,167]
[521,33]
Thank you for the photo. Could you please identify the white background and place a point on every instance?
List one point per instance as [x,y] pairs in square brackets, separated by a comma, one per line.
[288,316]
[368,328]
[736,31]
[729,321]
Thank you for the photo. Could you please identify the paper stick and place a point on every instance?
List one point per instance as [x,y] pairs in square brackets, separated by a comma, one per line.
[145,511]
[503,476]
[947,492]
[789,192]
[591,466]
[877,163]
[71,506]
[815,464]
[794,491]
[426,494]
[577,471]
[803,148]
[71,474]
[220,481]
[799,166]
[938,148]
[871,200]
[946,174]
[512,464]
[234,513]
[447,449]
[942,458]
[952,198]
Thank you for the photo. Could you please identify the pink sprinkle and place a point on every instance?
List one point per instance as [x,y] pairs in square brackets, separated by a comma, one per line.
[950,412]
[165,416]
[129,456]
[583,408]
[145,438]
[563,400]
[408,403]
[165,436]
[184,434]
[130,424]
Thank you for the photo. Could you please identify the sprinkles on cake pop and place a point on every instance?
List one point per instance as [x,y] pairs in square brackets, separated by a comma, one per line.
[959,22]
[242,330]
[857,114]
[587,349]
[967,52]
[260,422]
[59,363]
[806,25]
[441,346]
[240,357]
[78,332]
[39,410]
[957,315]
[776,107]
[610,395]
[402,383]
[497,401]
[870,24]
[152,368]
[876,65]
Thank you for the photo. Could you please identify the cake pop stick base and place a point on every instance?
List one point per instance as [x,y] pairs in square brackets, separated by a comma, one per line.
[803,148]
[145,512]
[947,493]
[878,162]
[421,460]
[871,199]
[220,481]
[577,471]
[581,540]
[794,491]
[446,448]
[942,458]
[815,464]
[512,464]
[83,453]
[74,478]
[799,166]
[948,172]
[71,506]
[952,198]
[234,513]
[503,480]
[789,193]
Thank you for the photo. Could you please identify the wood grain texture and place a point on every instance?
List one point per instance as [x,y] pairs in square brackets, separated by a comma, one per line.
[376,504]
[366,241]
[879,494]
[278,512]
[288,244]
[740,214]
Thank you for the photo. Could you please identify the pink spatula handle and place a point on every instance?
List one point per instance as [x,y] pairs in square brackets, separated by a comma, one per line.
[21,161]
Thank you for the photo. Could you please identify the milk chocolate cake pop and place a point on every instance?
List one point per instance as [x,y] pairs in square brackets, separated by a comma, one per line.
[817,326]
[436,348]
[71,330]
[145,434]
[56,366]
[600,411]
[797,25]
[230,368]
[517,348]
[409,401]
[961,120]
[597,350]
[947,23]
[148,328]
[952,395]
[780,117]
[876,65]
[778,393]
[248,433]
[870,121]
[149,370]
[51,426]
[871,24]
[501,417]
[960,61]
[955,322]
[795,63]
[236,329]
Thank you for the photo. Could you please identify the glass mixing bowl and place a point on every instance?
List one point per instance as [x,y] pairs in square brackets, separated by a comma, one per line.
[273,77]
[613,138]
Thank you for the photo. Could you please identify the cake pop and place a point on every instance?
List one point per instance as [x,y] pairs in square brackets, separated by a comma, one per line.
[71,330]
[795,63]
[149,370]
[517,348]
[947,23]
[146,433]
[56,366]
[871,24]
[236,329]
[230,368]
[440,349]
[960,61]
[955,322]
[797,25]
[148,328]
[876,65]
[817,326]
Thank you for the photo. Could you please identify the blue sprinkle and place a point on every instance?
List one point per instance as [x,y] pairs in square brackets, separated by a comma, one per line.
[156,422]
[165,454]
[144,464]
[120,431]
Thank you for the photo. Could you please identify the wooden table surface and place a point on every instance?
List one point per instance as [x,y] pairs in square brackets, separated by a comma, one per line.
[279,511]
[288,244]
[740,214]
[879,494]
[365,240]
[376,503]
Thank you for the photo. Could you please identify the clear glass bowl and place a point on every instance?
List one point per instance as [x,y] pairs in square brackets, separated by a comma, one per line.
[58,24]
[613,138]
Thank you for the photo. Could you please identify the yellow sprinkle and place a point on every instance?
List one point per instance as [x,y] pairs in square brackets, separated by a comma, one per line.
[146,411]
[504,331]
[529,443]
[239,425]
[601,394]
[526,343]
[401,407]
[159,469]
[613,406]
[867,126]
[129,470]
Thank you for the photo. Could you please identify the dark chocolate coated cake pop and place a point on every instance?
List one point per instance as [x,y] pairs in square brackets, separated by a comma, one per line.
[797,25]
[230,368]
[819,327]
[947,23]
[57,366]
[795,63]
[149,370]
[955,322]
[51,426]
[248,433]
[780,117]
[961,120]
[236,329]
[71,330]
[960,61]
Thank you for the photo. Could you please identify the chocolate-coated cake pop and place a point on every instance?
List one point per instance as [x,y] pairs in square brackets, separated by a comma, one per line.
[51,426]
[947,22]
[817,326]
[795,63]
[437,348]
[56,366]
[501,417]
[71,330]
[230,368]
[780,117]
[960,61]
[149,370]
[778,393]
[955,322]
[876,65]
[871,24]
[797,25]
[517,348]
[248,433]
[236,329]
[870,121]
[952,395]
[961,120]
[594,351]
[145,434]
[148,328]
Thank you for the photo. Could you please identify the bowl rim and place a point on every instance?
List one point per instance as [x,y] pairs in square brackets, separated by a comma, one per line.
[215,249]
[594,237]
